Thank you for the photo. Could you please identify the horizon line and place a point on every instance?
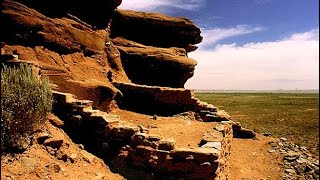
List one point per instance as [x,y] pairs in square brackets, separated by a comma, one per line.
[259,90]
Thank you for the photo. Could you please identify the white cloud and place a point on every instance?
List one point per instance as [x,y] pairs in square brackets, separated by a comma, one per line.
[153,5]
[313,34]
[290,63]
[138,5]
[212,36]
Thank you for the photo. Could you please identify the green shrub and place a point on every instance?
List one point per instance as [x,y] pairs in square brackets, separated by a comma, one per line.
[25,103]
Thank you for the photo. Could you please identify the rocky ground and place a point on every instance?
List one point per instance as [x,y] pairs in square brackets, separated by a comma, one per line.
[84,54]
[298,162]
[53,155]
[250,158]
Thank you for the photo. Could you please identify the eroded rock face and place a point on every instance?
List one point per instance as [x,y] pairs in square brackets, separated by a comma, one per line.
[67,50]
[96,12]
[163,101]
[155,29]
[169,67]
[26,26]
[79,59]
[85,61]
[155,100]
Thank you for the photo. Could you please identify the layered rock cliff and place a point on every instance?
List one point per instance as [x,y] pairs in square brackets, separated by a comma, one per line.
[155,66]
[118,60]
[70,52]
[154,29]
[97,13]
[78,49]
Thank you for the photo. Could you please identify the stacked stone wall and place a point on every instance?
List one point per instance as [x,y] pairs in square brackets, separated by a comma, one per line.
[142,150]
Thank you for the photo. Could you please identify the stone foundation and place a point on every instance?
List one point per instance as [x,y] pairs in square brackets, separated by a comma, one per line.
[167,101]
[141,150]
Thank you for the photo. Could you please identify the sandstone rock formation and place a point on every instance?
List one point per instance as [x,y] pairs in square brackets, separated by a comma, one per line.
[64,36]
[169,67]
[96,13]
[68,51]
[107,59]
[158,29]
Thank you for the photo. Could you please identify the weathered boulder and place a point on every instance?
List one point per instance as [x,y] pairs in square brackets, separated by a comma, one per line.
[155,29]
[169,67]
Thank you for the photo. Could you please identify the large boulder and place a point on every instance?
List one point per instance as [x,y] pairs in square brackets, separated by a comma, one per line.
[148,65]
[155,29]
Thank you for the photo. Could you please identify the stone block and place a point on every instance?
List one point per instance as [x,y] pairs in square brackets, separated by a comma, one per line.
[53,142]
[41,137]
[212,136]
[143,151]
[143,129]
[153,137]
[199,154]
[124,131]
[56,121]
[167,144]
[216,145]
[138,138]
[63,97]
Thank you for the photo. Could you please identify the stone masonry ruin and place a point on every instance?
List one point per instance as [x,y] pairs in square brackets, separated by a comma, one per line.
[104,65]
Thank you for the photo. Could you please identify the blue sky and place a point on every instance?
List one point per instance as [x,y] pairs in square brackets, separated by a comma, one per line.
[249,44]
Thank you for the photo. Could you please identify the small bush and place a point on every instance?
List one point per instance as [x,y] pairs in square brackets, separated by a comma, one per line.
[25,103]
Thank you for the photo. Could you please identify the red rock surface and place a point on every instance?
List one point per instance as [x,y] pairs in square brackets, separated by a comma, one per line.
[70,44]
[72,54]
[96,12]
[158,29]
[154,66]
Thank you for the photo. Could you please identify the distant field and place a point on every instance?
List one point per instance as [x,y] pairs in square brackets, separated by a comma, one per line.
[291,115]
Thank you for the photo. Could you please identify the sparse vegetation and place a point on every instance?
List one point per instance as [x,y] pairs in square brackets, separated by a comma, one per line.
[25,103]
[290,115]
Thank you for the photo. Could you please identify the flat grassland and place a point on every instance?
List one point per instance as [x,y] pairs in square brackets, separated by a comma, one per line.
[294,116]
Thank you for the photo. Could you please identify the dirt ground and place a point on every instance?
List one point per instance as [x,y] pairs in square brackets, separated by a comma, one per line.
[249,159]
[41,162]
[186,132]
